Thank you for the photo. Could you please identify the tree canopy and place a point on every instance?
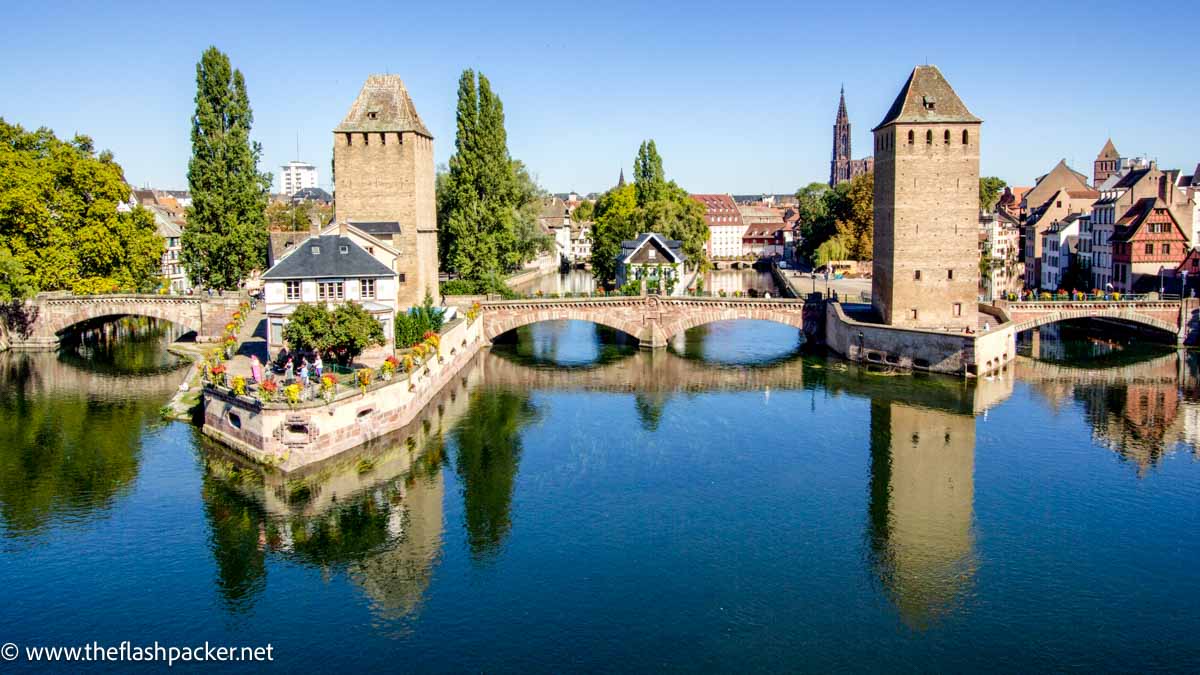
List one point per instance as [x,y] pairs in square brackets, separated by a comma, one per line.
[60,228]
[226,235]
[488,204]
[650,204]
[846,212]
[342,333]
[990,188]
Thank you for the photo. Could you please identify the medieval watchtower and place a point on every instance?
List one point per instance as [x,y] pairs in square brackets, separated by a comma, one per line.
[926,266]
[383,181]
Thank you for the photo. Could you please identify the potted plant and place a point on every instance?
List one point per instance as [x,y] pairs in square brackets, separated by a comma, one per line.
[363,378]
[239,385]
[329,383]
[390,364]
[267,390]
[218,374]
[292,394]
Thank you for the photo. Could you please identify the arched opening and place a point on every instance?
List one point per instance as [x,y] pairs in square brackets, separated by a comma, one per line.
[929,137]
[123,344]
[947,137]
[911,137]
[565,343]
[966,137]
[1096,342]
[739,342]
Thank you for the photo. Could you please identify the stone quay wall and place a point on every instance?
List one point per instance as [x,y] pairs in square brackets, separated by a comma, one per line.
[916,348]
[292,437]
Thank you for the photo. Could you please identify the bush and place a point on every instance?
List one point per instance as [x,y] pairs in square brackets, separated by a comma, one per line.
[342,333]
[459,287]
[411,326]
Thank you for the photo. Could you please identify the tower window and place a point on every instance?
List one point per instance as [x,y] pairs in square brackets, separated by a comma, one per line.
[966,138]
[347,138]
[947,137]
[916,275]
[929,137]
[366,139]
[372,115]
[913,314]
[950,274]
[958,309]
[910,137]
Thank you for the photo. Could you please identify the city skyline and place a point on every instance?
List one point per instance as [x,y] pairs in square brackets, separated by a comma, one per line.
[730,112]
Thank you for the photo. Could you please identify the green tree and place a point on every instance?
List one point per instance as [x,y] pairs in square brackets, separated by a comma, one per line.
[650,204]
[487,202]
[990,188]
[584,212]
[59,218]
[831,249]
[226,235]
[342,333]
[15,282]
[855,222]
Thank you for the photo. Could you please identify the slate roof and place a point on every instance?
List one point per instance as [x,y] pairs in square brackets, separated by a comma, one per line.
[315,194]
[302,263]
[383,104]
[927,97]
[377,228]
[631,246]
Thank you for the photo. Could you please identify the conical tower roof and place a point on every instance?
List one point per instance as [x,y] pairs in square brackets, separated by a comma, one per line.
[383,104]
[927,97]
[842,117]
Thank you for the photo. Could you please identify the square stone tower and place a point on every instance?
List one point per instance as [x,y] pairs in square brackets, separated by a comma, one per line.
[926,266]
[383,175]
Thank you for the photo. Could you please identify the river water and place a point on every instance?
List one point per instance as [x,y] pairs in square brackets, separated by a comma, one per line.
[572,503]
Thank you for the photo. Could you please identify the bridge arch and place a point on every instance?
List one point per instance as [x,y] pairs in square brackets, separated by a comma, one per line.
[1125,315]
[500,323]
[734,312]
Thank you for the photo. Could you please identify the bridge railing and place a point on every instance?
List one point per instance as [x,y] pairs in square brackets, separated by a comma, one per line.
[1088,297]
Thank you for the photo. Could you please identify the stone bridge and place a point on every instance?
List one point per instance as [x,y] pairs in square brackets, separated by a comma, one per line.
[1180,318]
[48,316]
[652,319]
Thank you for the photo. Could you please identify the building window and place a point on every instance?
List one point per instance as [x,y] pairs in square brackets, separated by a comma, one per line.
[929,137]
[293,290]
[916,275]
[910,137]
[331,290]
[958,309]
[1166,249]
[315,250]
[366,289]
[947,137]
[950,274]
[966,138]
[1149,249]
[400,277]
[912,313]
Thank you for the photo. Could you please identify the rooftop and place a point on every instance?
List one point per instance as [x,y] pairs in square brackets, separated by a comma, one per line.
[327,256]
[383,104]
[927,97]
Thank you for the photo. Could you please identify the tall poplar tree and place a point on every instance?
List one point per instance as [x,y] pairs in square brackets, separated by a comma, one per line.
[226,235]
[487,202]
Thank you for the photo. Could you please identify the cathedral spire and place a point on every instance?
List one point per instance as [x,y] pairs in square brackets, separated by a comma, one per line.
[840,166]
[621,180]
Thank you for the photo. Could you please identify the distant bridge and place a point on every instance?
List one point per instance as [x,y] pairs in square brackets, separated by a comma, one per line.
[50,315]
[652,319]
[1180,318]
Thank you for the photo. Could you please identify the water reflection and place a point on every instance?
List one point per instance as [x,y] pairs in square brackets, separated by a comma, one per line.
[126,345]
[921,505]
[745,281]
[375,513]
[561,283]
[566,344]
[71,430]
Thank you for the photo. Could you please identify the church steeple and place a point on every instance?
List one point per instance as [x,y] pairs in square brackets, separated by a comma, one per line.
[621,180]
[839,166]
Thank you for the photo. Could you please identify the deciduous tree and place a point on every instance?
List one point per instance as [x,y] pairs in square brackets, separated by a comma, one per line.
[990,188]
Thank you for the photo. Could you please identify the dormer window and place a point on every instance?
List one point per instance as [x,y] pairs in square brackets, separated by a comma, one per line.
[929,102]
[343,249]
[315,250]
[373,115]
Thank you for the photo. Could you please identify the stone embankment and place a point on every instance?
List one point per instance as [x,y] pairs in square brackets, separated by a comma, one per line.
[292,436]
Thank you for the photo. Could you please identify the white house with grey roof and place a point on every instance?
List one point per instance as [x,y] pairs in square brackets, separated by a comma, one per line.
[653,258]
[341,264]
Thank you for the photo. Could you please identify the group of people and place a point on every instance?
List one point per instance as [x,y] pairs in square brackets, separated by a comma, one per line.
[305,371]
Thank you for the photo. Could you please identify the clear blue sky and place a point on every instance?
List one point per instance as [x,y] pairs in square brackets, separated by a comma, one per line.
[739,97]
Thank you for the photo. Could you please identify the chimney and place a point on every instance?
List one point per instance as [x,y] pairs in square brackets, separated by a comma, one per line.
[342,229]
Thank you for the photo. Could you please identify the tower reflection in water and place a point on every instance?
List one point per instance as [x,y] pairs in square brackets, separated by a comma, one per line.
[921,507]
